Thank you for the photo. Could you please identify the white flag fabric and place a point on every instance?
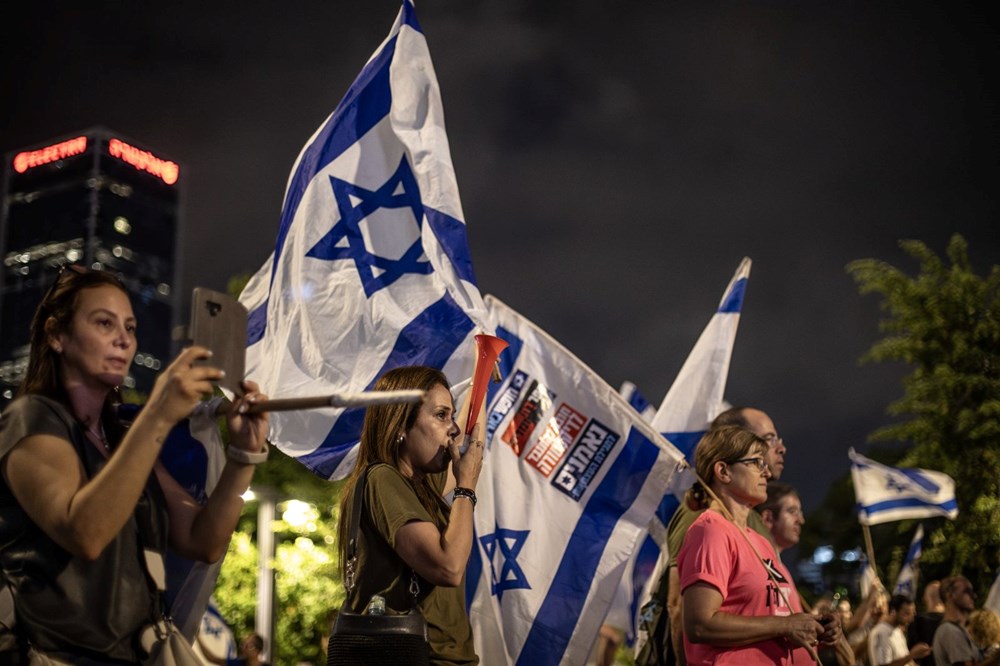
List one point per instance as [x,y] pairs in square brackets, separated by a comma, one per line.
[694,399]
[866,579]
[194,455]
[906,581]
[993,598]
[570,480]
[371,267]
[885,494]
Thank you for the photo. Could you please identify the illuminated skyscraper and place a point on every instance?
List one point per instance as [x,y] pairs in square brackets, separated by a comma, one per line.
[97,199]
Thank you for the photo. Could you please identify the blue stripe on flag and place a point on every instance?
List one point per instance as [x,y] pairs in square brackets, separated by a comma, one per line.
[645,562]
[668,505]
[734,299]
[473,571]
[685,442]
[430,339]
[509,356]
[638,401]
[257,323]
[906,502]
[410,16]
[453,239]
[367,101]
[918,477]
[557,617]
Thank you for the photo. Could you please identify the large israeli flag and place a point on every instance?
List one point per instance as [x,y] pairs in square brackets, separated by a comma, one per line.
[885,494]
[694,399]
[906,582]
[571,477]
[371,267]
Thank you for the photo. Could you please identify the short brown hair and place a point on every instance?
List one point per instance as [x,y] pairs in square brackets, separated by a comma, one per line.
[776,491]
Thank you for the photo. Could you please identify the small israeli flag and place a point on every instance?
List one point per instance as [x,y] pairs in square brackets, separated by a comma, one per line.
[885,494]
[906,582]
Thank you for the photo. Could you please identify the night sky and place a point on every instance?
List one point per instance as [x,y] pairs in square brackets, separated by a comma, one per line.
[616,161]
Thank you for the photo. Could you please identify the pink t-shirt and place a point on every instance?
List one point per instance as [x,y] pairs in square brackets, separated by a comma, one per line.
[716,554]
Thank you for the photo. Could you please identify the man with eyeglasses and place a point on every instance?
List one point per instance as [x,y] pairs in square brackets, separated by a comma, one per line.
[782,513]
[952,643]
[761,425]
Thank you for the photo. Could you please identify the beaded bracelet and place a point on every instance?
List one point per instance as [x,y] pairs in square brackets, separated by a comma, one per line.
[467,493]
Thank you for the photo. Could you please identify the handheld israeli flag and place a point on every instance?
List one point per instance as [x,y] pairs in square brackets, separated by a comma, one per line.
[634,397]
[570,480]
[867,579]
[906,582]
[885,494]
[371,267]
[694,399]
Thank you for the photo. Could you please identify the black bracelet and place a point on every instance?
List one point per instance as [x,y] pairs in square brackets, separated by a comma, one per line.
[466,492]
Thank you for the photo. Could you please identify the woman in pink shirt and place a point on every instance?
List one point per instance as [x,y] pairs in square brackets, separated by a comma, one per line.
[734,612]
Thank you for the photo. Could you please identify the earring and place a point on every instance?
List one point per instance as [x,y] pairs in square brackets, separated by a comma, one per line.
[400,440]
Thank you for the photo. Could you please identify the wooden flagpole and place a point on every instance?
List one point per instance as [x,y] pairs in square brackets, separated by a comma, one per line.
[869,549]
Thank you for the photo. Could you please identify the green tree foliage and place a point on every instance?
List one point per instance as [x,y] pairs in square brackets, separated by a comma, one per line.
[944,322]
[307,578]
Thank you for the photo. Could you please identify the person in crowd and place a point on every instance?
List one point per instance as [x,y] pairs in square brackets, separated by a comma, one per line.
[887,642]
[952,642]
[251,650]
[870,612]
[782,513]
[733,614]
[984,628]
[761,425]
[85,509]
[408,532]
[922,629]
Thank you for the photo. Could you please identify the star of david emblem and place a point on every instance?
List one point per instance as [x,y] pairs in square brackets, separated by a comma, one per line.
[507,544]
[891,483]
[372,237]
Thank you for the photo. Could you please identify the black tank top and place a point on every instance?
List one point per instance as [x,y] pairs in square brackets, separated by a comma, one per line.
[66,605]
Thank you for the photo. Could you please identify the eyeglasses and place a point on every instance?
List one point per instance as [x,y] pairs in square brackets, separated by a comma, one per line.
[759,463]
[772,440]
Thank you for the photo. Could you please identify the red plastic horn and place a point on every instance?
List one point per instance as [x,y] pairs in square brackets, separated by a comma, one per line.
[489,348]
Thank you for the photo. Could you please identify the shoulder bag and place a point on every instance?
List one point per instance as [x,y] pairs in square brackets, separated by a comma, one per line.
[375,639]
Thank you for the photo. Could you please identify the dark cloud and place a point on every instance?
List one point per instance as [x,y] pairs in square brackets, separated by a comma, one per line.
[616,160]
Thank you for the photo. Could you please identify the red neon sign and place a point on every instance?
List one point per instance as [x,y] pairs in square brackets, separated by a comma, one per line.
[144,161]
[57,151]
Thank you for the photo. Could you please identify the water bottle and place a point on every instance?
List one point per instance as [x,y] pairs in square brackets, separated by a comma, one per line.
[377,605]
